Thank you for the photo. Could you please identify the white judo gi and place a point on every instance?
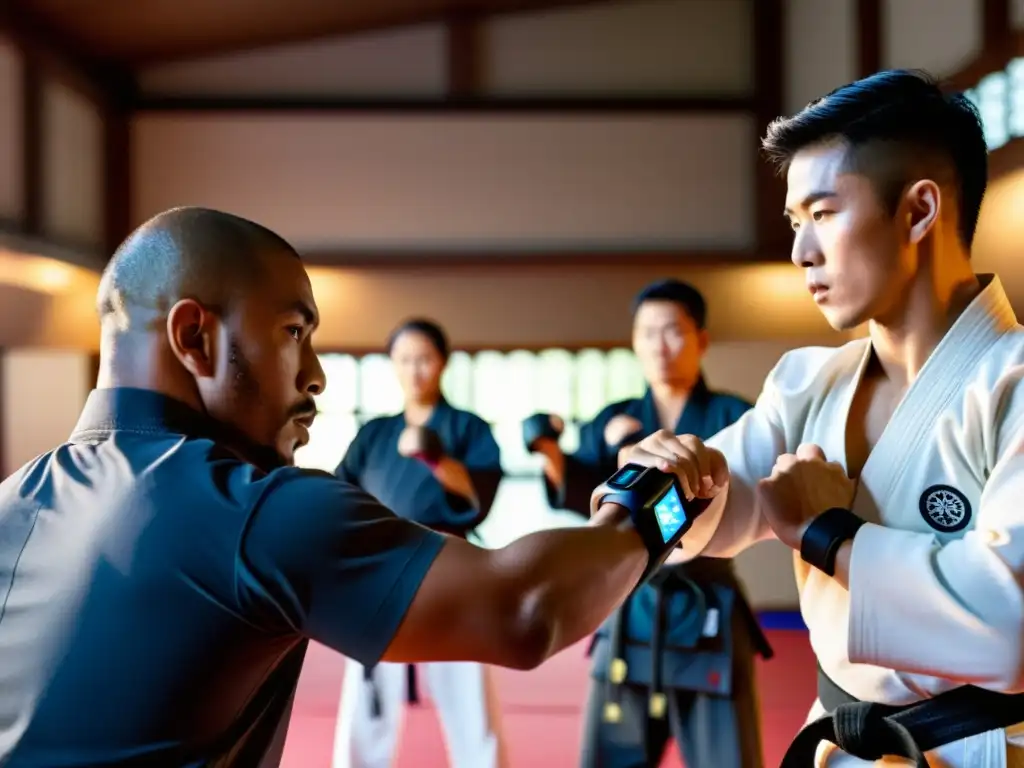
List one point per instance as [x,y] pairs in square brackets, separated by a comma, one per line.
[935,596]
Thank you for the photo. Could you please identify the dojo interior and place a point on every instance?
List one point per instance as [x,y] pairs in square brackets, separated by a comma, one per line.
[514,169]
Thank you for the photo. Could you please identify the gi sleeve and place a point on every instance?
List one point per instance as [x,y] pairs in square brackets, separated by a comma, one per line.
[751,446]
[482,459]
[325,559]
[955,609]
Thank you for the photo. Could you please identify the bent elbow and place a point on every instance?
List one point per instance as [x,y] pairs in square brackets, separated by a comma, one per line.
[531,637]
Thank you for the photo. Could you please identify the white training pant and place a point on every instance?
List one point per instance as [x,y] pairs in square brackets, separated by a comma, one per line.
[460,692]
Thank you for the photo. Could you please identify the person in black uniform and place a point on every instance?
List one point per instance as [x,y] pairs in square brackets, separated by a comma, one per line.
[678,658]
[439,466]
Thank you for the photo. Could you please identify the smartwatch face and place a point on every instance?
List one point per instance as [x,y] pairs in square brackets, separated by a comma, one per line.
[625,476]
[670,514]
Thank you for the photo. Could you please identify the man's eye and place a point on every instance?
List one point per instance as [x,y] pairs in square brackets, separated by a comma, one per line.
[819,215]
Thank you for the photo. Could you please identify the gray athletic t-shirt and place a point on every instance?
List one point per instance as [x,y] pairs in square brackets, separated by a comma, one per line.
[157,592]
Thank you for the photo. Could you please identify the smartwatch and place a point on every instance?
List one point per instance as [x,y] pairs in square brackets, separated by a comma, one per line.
[656,505]
[825,535]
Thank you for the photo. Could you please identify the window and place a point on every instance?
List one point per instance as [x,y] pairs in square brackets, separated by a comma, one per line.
[999,98]
[503,388]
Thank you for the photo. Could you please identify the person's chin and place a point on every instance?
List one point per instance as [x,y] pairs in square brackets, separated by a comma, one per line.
[840,319]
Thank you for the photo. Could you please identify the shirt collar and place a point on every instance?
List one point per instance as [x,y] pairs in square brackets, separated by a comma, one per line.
[124,409]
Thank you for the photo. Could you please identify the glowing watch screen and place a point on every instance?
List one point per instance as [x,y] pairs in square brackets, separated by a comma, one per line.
[670,514]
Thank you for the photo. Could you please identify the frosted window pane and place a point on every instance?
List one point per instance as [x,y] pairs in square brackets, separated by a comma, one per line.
[1016,72]
[992,103]
[520,385]
[554,383]
[489,386]
[589,384]
[514,458]
[625,379]
[457,381]
[570,440]
[379,393]
[342,373]
[329,438]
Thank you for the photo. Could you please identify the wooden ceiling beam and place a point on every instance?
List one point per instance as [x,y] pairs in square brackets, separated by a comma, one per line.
[446,104]
[233,39]
[554,259]
[59,56]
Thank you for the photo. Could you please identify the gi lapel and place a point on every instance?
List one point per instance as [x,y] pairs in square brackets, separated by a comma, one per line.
[694,418]
[963,348]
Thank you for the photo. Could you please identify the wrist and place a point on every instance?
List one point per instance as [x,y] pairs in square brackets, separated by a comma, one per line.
[823,537]
[612,515]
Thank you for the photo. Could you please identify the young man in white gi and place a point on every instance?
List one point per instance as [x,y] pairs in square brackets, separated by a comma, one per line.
[893,466]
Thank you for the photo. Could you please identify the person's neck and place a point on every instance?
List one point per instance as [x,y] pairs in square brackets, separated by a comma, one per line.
[670,398]
[133,362]
[903,341]
[417,412]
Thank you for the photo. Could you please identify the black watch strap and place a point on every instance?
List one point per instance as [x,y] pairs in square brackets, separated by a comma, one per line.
[825,535]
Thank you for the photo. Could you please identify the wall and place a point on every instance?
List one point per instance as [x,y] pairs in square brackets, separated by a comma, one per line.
[11,140]
[42,395]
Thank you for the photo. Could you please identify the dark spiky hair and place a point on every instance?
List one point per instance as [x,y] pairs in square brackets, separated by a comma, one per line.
[895,124]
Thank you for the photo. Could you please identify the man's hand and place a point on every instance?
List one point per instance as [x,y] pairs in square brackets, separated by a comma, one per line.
[801,487]
[417,441]
[702,471]
[455,478]
[619,428]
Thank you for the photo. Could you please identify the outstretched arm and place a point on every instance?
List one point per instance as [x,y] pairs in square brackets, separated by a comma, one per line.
[748,450]
[325,559]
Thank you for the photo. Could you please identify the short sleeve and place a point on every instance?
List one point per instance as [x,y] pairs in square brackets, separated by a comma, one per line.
[326,559]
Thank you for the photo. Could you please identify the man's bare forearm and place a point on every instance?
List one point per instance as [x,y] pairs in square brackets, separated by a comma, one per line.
[571,579]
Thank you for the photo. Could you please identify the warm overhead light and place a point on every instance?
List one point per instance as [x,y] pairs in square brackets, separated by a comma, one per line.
[43,274]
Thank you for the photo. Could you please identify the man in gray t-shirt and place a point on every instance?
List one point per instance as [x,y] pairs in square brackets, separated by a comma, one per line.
[162,572]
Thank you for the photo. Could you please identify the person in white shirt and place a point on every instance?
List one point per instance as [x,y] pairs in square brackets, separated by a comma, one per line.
[893,465]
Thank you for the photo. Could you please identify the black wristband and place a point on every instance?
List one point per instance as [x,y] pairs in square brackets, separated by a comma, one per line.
[825,535]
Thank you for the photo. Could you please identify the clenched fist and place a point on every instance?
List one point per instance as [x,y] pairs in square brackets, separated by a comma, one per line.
[801,487]
[702,471]
[420,442]
[619,428]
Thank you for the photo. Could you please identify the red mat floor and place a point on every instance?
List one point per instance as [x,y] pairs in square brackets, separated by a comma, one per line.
[541,709]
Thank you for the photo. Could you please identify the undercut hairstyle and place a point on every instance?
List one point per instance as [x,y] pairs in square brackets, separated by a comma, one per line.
[685,295]
[899,126]
[434,333]
[184,253]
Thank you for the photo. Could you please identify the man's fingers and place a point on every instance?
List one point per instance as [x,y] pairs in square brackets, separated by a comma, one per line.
[718,468]
[809,452]
[784,463]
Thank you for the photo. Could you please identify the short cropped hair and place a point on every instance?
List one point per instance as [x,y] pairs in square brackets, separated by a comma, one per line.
[685,295]
[896,123]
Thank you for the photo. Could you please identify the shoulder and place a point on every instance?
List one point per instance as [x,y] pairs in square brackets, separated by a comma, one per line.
[810,369]
[995,390]
[470,420]
[378,424]
[612,410]
[729,404]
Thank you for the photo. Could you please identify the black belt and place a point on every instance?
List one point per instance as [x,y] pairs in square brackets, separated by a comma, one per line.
[687,577]
[870,731]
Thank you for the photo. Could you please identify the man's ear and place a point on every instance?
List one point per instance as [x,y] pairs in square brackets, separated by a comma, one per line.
[923,204]
[703,340]
[190,328]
